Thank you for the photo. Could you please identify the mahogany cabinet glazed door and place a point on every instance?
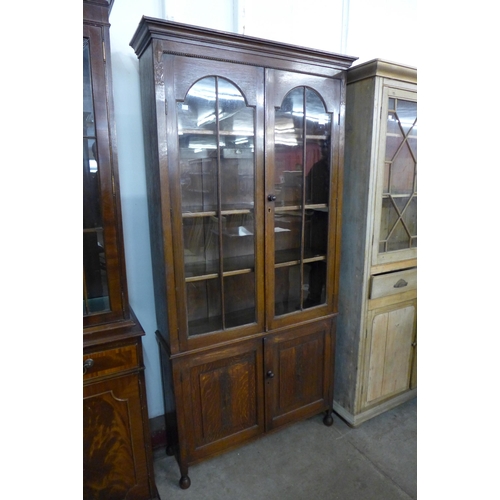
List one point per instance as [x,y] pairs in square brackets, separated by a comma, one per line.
[222,392]
[114,451]
[215,162]
[298,373]
[302,187]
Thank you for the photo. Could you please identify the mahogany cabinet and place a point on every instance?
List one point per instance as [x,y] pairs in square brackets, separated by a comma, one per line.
[244,160]
[377,336]
[117,455]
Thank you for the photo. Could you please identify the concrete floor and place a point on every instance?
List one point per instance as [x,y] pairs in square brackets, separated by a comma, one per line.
[308,461]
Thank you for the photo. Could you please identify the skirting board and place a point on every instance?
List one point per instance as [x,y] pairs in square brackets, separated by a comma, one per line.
[356,420]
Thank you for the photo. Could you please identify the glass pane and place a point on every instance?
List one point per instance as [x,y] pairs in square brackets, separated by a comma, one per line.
[287,289]
[199,175]
[230,104]
[95,281]
[314,283]
[238,177]
[410,217]
[289,149]
[389,217]
[318,172]
[287,236]
[197,111]
[91,191]
[240,122]
[204,306]
[394,137]
[238,168]
[88,103]
[398,228]
[402,171]
[238,241]
[407,114]
[317,119]
[201,245]
[399,238]
[236,122]
[412,142]
[239,296]
[316,233]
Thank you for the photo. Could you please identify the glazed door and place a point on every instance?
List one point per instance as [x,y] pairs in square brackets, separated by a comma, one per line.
[102,287]
[395,225]
[215,169]
[302,139]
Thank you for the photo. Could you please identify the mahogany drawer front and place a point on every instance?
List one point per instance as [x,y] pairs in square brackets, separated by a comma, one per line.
[392,283]
[110,361]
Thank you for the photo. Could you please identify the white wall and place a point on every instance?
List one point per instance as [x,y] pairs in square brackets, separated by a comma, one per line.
[124,19]
[364,28]
[384,29]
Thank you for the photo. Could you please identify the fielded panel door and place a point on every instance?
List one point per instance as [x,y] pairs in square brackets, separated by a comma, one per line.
[299,373]
[222,392]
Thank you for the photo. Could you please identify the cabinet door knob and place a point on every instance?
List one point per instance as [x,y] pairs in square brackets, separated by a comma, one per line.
[88,363]
[271,197]
[270,374]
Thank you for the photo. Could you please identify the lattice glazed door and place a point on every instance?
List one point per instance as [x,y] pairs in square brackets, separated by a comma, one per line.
[396,215]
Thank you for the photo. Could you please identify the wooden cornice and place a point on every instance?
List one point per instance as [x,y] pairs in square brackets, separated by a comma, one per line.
[382,68]
[169,31]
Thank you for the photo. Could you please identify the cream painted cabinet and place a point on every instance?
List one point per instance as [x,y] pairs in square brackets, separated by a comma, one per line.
[376,339]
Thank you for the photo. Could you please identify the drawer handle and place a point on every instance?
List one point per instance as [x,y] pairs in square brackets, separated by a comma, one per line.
[88,363]
[401,283]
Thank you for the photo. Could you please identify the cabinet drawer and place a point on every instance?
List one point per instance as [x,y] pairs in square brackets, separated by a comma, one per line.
[392,283]
[110,361]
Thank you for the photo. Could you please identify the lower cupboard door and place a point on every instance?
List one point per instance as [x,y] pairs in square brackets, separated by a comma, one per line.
[114,450]
[298,371]
[223,389]
[390,352]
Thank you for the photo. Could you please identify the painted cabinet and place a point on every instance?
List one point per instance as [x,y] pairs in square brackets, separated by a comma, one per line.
[244,159]
[376,342]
